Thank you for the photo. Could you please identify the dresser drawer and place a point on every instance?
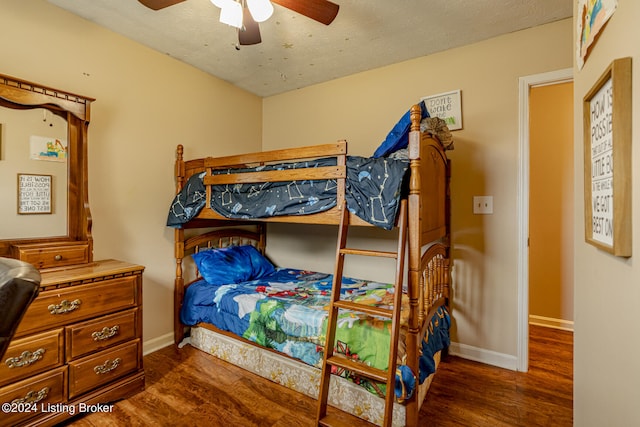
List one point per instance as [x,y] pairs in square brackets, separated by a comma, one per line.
[99,369]
[54,254]
[95,335]
[64,306]
[32,355]
[29,397]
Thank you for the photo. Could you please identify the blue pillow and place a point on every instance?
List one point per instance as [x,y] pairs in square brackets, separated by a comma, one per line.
[398,137]
[233,264]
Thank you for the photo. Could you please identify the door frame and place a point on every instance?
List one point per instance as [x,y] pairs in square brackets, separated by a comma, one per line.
[525,84]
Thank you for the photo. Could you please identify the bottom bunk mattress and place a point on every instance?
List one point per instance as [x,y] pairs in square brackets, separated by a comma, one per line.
[286,310]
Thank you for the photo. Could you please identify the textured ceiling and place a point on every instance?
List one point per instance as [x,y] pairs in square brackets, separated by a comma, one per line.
[296,52]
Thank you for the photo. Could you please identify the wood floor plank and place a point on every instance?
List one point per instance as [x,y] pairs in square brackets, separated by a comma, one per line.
[186,387]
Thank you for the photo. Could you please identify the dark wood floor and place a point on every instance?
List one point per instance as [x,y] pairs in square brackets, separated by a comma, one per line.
[187,388]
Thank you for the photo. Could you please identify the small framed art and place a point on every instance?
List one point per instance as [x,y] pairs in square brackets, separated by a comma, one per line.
[607,160]
[447,106]
[34,194]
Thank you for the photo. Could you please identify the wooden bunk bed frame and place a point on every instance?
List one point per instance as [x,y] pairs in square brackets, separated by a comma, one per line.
[429,271]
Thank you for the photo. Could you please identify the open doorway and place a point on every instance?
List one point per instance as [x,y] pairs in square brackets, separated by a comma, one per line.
[551,205]
[532,202]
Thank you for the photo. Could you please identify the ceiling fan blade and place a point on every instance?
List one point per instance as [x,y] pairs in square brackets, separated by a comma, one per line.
[250,32]
[319,10]
[159,4]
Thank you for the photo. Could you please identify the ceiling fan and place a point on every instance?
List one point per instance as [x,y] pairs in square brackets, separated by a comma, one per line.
[246,14]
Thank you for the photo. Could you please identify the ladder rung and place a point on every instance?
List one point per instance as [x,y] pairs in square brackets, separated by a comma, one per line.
[359,368]
[383,254]
[339,418]
[323,418]
[371,310]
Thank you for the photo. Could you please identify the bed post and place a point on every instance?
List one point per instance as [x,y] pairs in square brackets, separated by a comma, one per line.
[262,242]
[414,273]
[178,291]
[447,240]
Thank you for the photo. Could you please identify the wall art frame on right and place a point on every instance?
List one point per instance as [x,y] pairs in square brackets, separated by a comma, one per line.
[607,160]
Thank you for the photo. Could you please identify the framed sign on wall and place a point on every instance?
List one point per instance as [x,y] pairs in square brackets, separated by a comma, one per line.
[34,194]
[607,160]
[447,106]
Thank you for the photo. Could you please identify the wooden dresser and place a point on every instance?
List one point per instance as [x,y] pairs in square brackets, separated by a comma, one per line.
[78,347]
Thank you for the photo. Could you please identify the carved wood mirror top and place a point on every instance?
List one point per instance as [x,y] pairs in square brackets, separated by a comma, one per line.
[19,94]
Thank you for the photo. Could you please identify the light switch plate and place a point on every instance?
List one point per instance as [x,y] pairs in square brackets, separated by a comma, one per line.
[483,205]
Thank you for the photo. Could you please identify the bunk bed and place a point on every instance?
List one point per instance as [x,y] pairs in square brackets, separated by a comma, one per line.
[222,273]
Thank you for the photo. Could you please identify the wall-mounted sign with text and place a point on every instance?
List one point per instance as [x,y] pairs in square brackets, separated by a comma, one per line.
[446,106]
[34,194]
[607,158]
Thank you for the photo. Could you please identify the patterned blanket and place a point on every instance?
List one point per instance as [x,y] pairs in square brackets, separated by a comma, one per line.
[373,189]
[287,311]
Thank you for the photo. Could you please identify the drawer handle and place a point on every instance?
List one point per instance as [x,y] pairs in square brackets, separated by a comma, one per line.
[65,306]
[32,397]
[107,367]
[105,333]
[25,359]
[58,257]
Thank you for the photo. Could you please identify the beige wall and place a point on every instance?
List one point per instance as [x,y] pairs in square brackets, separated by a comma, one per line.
[362,108]
[607,288]
[146,103]
[551,204]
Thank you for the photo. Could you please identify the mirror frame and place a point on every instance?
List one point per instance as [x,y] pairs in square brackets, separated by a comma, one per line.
[75,109]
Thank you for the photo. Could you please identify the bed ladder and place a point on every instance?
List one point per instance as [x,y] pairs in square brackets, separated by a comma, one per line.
[388,377]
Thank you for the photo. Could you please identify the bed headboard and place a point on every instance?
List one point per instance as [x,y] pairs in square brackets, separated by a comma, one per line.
[226,237]
[429,184]
[217,238]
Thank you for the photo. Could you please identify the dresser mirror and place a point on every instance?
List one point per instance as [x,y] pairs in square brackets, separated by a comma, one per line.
[43,166]
[35,148]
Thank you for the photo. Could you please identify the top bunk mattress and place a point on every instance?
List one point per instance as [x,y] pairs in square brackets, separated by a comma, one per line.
[373,184]
[373,189]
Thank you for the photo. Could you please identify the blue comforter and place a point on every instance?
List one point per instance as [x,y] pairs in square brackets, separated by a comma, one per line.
[287,311]
[373,189]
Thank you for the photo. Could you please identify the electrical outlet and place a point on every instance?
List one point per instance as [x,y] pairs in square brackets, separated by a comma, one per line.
[482,205]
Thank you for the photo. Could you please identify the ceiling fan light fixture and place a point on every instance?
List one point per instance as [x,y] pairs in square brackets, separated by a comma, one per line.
[221,3]
[231,14]
[261,10]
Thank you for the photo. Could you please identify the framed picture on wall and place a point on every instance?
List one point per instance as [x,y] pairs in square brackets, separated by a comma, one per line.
[447,106]
[34,194]
[591,20]
[607,160]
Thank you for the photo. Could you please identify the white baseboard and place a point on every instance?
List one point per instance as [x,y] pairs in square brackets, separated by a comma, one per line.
[481,355]
[157,343]
[502,360]
[548,322]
